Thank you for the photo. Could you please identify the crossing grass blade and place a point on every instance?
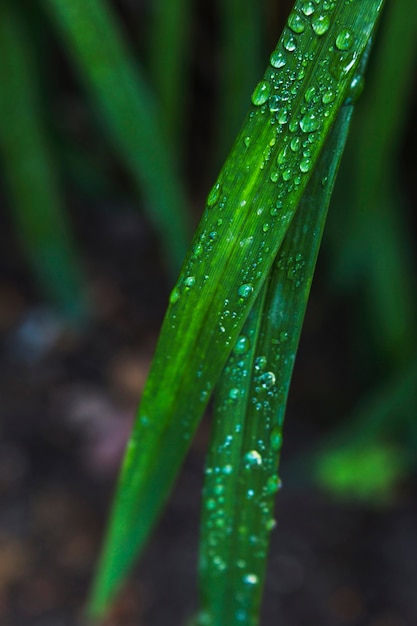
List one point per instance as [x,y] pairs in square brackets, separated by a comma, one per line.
[90,34]
[241,473]
[29,169]
[247,215]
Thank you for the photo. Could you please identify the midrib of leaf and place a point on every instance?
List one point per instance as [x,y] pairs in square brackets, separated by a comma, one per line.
[207,308]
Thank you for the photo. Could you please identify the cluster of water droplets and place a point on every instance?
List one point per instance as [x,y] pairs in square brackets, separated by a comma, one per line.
[276,95]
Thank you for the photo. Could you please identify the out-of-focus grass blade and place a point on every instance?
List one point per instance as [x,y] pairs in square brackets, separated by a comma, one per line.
[241,473]
[378,247]
[240,65]
[169,65]
[248,213]
[91,36]
[30,174]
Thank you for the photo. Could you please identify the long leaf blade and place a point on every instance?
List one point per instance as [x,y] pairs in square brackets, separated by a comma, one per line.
[99,52]
[248,213]
[247,435]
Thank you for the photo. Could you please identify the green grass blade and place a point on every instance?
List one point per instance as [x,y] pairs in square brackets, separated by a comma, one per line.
[247,215]
[241,38]
[170,64]
[378,248]
[29,171]
[249,413]
[91,36]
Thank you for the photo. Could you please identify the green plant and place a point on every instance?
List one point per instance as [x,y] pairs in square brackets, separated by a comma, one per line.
[235,315]
[236,312]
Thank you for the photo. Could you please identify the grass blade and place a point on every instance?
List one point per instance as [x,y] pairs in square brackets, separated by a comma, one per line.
[241,34]
[249,413]
[170,32]
[29,170]
[379,240]
[247,215]
[113,79]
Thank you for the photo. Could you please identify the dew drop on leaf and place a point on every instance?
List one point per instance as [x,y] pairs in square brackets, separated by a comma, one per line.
[320,24]
[296,23]
[290,43]
[245,290]
[307,8]
[344,40]
[267,380]
[273,484]
[175,295]
[277,59]
[234,393]
[261,93]
[242,345]
[214,195]
[250,579]
[253,458]
[189,281]
[309,123]
[276,439]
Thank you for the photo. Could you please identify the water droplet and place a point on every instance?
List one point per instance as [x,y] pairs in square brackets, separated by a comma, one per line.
[273,484]
[245,290]
[250,493]
[328,97]
[214,195]
[247,141]
[296,23]
[265,227]
[344,40]
[309,123]
[260,363]
[276,439]
[283,116]
[189,281]
[267,380]
[219,563]
[274,103]
[309,94]
[228,469]
[355,89]
[307,8]
[286,175]
[271,524]
[211,504]
[290,43]
[320,24]
[277,59]
[242,345]
[234,393]
[305,165]
[295,144]
[175,295]
[261,93]
[274,175]
[253,458]
[250,579]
